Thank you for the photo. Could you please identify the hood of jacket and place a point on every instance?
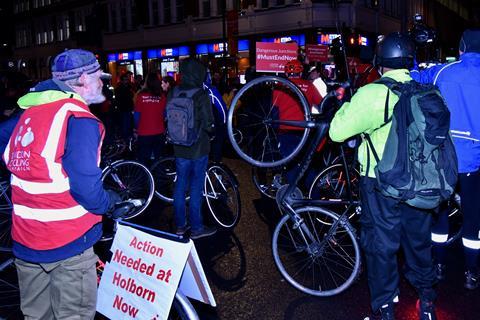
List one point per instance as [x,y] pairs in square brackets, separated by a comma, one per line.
[193,73]
[47,91]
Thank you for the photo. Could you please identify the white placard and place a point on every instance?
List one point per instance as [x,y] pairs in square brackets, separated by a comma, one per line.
[142,277]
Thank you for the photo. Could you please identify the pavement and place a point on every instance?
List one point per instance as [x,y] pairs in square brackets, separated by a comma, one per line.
[246,284]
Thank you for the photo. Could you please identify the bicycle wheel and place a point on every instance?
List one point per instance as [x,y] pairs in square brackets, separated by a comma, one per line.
[269,180]
[5,217]
[182,309]
[165,175]
[222,196]
[324,263]
[5,232]
[9,291]
[132,180]
[262,123]
[331,184]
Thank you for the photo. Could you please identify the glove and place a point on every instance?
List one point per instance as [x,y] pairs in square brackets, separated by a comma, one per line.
[121,210]
[114,198]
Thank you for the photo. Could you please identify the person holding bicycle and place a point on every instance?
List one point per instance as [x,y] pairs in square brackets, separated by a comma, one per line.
[57,194]
[386,223]
[289,108]
[459,84]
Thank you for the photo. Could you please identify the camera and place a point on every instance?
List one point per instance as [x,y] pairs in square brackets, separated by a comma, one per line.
[422,34]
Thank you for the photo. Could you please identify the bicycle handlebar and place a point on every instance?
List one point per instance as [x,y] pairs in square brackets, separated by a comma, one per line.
[126,207]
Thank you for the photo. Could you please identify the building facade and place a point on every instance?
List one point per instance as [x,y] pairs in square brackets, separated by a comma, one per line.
[153,35]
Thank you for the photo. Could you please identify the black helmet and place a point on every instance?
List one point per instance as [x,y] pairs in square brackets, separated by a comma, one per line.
[395,51]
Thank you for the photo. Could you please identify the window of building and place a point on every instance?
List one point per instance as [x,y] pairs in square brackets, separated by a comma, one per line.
[180,10]
[154,13]
[123,16]
[206,8]
[280,2]
[167,11]
[392,8]
[264,3]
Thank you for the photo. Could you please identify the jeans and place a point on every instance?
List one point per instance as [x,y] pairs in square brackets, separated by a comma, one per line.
[190,175]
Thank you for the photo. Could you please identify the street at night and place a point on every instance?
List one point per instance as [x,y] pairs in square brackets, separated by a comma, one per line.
[240,159]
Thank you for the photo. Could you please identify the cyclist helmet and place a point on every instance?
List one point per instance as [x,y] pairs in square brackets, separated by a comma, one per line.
[293,66]
[395,51]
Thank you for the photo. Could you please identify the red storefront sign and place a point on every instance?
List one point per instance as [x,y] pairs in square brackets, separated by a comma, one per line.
[272,57]
[316,52]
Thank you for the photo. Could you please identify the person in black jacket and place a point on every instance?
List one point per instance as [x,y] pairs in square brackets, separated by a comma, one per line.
[191,162]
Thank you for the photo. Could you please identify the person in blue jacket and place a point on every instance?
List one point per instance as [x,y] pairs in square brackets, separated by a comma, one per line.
[220,111]
[459,83]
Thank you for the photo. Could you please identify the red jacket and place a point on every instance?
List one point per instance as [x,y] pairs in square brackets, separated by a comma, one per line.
[152,113]
[289,107]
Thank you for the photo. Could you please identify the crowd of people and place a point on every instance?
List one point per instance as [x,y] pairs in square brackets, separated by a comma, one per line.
[46,130]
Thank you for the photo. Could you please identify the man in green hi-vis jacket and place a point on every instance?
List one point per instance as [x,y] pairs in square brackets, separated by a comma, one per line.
[387,224]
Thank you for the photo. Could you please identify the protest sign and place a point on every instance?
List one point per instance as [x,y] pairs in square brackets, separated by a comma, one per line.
[316,52]
[142,277]
[272,57]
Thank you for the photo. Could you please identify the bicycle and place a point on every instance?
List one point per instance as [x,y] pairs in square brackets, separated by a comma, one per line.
[220,190]
[317,258]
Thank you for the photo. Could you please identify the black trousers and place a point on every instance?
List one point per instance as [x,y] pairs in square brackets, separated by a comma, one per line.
[148,146]
[468,188]
[386,225]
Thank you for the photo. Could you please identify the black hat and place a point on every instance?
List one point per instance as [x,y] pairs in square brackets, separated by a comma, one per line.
[395,51]
[470,41]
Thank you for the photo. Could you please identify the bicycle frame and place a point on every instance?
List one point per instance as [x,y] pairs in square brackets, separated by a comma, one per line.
[288,203]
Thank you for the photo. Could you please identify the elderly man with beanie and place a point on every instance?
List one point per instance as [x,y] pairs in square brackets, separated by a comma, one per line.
[58,198]
[459,83]
[387,224]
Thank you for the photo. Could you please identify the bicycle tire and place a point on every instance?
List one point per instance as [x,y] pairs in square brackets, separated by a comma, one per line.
[131,180]
[288,238]
[6,207]
[9,291]
[182,309]
[260,134]
[222,196]
[165,175]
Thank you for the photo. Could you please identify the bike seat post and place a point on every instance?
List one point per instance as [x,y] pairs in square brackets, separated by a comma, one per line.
[322,128]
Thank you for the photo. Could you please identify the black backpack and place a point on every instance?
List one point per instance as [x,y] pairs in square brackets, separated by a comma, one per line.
[182,128]
[419,164]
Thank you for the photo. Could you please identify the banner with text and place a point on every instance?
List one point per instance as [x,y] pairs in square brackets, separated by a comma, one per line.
[142,277]
[316,52]
[272,57]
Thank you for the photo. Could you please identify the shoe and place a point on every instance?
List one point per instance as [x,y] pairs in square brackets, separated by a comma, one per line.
[204,232]
[471,280]
[182,230]
[426,310]
[440,270]
[386,312]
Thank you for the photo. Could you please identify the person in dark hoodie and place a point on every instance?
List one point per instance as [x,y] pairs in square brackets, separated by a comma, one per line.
[191,162]
[57,193]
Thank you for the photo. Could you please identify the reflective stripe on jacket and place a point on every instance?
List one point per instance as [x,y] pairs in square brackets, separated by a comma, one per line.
[459,83]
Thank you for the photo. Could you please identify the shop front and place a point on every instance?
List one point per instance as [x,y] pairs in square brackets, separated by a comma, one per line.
[123,62]
[166,61]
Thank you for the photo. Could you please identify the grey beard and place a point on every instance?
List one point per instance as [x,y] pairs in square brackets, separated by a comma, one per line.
[99,98]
